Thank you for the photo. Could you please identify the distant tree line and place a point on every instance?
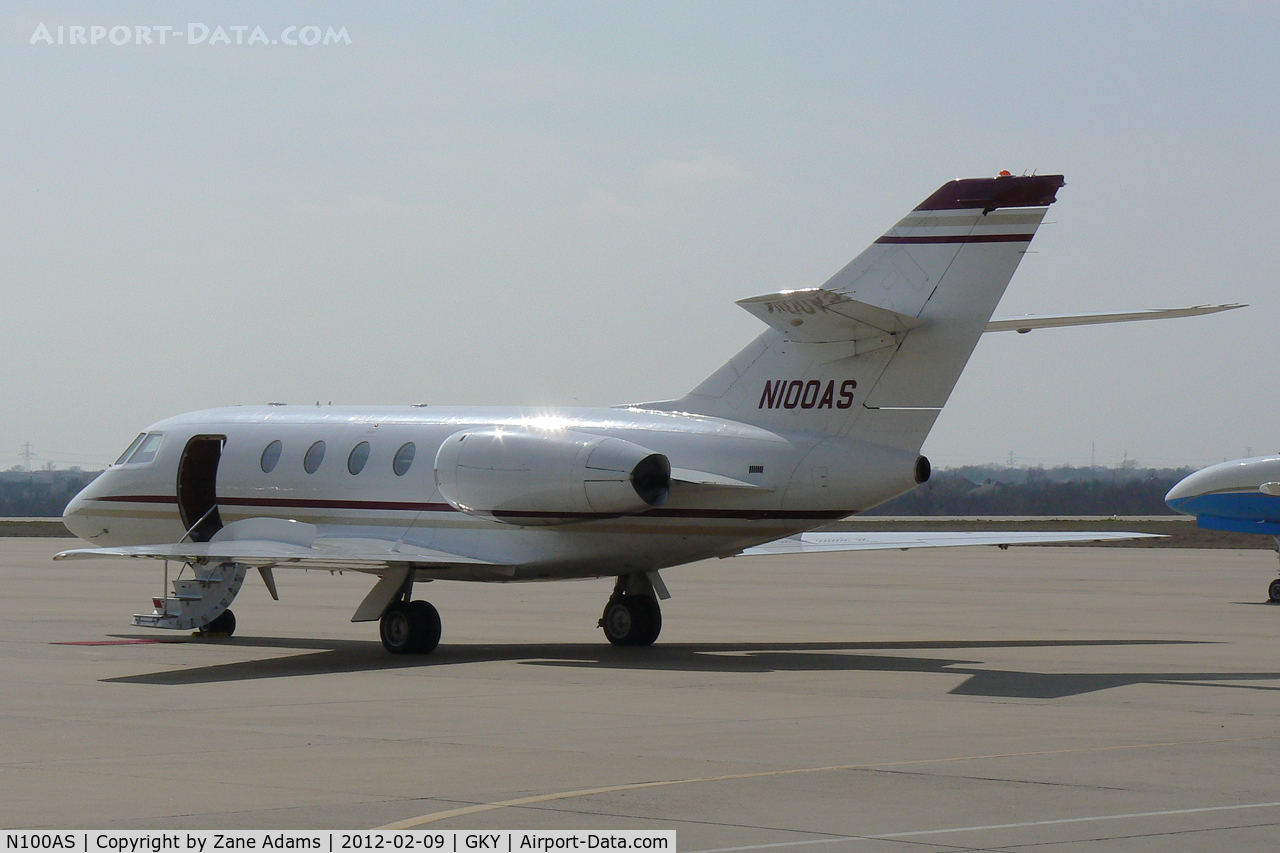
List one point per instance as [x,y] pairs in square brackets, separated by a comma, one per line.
[40,494]
[997,490]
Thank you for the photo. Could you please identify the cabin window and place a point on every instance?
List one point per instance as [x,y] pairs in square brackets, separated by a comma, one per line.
[271,455]
[132,447]
[359,456]
[315,455]
[404,458]
[146,450]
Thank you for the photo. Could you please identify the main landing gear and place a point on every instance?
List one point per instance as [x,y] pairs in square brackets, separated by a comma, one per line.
[410,627]
[632,616]
[1273,591]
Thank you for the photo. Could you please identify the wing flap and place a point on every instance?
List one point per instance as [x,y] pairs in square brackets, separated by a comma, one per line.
[808,543]
[360,554]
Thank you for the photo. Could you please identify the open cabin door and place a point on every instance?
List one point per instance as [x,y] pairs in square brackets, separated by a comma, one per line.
[197,486]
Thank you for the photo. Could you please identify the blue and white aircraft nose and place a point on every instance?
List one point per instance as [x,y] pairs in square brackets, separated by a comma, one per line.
[1182,496]
[1243,490]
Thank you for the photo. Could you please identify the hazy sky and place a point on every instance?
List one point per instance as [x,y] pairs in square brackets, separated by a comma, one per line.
[559,204]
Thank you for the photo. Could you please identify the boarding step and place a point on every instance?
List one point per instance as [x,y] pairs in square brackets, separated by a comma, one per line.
[207,575]
[196,601]
[189,590]
[153,620]
[167,614]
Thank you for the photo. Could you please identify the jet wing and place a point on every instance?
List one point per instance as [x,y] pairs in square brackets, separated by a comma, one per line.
[1022,325]
[272,542]
[355,554]
[808,543]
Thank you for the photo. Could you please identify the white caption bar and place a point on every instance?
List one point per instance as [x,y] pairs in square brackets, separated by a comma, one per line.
[335,841]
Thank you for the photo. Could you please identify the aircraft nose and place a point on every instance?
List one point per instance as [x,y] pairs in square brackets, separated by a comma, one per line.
[76,518]
[1182,492]
[1187,494]
[1183,489]
[73,514]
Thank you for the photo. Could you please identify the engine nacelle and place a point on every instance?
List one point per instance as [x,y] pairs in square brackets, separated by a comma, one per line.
[531,477]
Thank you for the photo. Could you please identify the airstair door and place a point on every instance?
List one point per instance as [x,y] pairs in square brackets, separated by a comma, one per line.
[197,486]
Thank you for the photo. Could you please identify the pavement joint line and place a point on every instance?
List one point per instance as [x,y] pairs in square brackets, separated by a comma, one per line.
[992,826]
[434,817]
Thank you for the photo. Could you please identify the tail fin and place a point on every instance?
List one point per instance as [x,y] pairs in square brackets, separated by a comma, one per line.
[875,352]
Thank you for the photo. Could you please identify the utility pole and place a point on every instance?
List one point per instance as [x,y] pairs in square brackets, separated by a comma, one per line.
[27,455]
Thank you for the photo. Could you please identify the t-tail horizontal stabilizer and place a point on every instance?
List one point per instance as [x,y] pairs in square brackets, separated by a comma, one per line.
[1025,324]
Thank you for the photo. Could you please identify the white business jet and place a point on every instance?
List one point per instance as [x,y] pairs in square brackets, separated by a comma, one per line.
[820,417]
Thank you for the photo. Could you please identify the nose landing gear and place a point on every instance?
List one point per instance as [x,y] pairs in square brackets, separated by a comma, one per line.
[223,626]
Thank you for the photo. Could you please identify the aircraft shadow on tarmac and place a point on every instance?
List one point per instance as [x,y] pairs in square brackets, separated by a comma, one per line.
[323,657]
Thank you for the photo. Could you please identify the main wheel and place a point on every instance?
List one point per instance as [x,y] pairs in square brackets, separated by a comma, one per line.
[1273,591]
[426,626]
[631,620]
[650,620]
[396,629]
[223,626]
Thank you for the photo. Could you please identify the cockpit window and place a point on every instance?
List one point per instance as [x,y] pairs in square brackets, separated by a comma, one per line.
[147,449]
[132,447]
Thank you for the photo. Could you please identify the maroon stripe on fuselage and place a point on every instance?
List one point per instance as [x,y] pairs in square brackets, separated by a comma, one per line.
[411,506]
[141,499]
[958,238]
[316,503]
[299,503]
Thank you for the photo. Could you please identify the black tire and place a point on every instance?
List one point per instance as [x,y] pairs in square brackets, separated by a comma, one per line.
[396,628]
[1273,591]
[631,620]
[426,627]
[651,621]
[223,626]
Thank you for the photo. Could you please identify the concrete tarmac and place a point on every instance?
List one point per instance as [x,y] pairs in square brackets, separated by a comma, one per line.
[958,699]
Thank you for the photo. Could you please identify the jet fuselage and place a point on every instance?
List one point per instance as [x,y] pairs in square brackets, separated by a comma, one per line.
[787,484]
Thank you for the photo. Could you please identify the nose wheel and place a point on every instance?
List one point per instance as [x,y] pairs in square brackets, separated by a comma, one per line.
[223,626]
[410,627]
